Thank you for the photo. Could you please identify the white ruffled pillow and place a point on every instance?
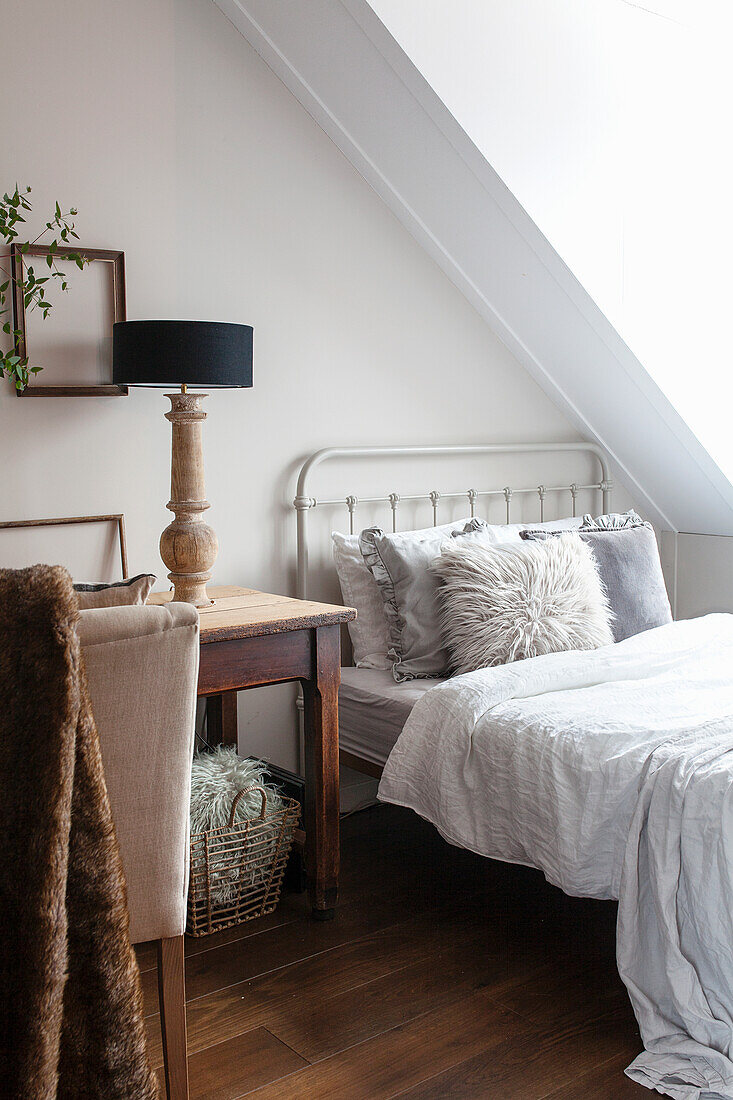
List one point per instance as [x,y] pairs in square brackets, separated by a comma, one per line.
[505,603]
[368,631]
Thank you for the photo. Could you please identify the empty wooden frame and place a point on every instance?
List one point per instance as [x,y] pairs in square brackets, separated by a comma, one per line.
[117,519]
[116,263]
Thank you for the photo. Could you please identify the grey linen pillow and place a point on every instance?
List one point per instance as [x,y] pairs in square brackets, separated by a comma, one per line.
[627,556]
[508,602]
[613,521]
[399,563]
[120,594]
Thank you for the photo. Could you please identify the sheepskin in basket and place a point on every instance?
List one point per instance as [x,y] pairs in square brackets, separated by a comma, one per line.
[216,779]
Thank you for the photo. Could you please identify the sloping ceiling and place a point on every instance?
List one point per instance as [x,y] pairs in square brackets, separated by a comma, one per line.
[354,79]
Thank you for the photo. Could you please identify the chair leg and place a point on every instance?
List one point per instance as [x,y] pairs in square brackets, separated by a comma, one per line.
[172,996]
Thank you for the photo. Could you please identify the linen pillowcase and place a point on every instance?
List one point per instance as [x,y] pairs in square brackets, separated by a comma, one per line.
[368,631]
[627,557]
[613,521]
[399,564]
[512,532]
[505,603]
[119,594]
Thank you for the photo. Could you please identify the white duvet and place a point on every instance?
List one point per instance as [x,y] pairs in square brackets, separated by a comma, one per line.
[611,771]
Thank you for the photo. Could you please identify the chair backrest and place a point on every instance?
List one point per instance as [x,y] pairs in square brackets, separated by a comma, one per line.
[142,670]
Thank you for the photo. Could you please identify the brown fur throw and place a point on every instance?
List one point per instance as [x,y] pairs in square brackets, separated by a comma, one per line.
[70,1001]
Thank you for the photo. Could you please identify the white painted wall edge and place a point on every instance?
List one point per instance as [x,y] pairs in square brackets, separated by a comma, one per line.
[342,64]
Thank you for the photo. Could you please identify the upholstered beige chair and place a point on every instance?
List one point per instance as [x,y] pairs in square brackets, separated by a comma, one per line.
[142,667]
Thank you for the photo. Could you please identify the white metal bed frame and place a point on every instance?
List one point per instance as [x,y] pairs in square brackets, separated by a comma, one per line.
[304,503]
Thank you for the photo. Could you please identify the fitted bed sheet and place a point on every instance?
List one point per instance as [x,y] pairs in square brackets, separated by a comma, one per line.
[373,710]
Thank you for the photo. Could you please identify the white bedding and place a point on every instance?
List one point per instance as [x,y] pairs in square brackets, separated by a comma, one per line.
[610,770]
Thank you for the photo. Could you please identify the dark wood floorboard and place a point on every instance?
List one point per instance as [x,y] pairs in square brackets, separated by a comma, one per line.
[230,1069]
[443,976]
[384,1065]
[302,987]
[605,1082]
[525,1066]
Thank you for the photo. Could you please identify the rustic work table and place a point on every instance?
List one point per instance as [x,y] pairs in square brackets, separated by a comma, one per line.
[251,639]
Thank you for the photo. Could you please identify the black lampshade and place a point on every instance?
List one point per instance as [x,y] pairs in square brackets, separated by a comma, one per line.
[171,353]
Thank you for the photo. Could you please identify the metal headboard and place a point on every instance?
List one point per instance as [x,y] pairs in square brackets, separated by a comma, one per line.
[304,502]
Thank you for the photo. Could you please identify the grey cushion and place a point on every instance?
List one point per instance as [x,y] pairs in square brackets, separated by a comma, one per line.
[118,594]
[399,563]
[628,563]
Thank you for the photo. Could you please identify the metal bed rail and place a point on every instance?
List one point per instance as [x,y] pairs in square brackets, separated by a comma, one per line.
[304,503]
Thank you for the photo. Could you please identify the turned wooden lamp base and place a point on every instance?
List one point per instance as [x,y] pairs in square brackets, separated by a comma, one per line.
[199,353]
[191,588]
[188,546]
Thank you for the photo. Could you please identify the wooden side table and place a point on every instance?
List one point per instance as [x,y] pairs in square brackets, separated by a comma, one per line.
[251,639]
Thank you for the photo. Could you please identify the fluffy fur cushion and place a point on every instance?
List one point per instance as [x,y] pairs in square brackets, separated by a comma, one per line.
[216,779]
[505,603]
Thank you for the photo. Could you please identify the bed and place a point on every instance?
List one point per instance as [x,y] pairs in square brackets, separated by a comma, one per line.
[372,708]
[610,769]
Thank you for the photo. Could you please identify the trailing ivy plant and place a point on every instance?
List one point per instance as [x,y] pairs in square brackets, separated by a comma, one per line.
[31,283]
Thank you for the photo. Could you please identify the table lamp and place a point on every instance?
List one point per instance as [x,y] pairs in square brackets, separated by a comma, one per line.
[185,353]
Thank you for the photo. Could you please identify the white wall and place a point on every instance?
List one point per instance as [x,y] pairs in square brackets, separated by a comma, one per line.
[178,145]
[605,120]
[704,574]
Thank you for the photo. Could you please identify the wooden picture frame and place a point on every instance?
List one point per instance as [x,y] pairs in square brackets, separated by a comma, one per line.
[116,261]
[116,518]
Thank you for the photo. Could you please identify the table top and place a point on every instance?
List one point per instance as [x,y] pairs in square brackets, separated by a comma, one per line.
[246,613]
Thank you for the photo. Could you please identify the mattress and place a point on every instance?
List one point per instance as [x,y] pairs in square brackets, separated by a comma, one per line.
[373,709]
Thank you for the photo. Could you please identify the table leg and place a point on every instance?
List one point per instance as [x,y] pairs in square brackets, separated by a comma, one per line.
[320,706]
[221,719]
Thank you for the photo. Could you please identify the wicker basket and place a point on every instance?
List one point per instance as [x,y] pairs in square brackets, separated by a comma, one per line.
[237,870]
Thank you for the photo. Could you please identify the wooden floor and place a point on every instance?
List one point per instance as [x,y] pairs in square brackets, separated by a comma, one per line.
[444,975]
